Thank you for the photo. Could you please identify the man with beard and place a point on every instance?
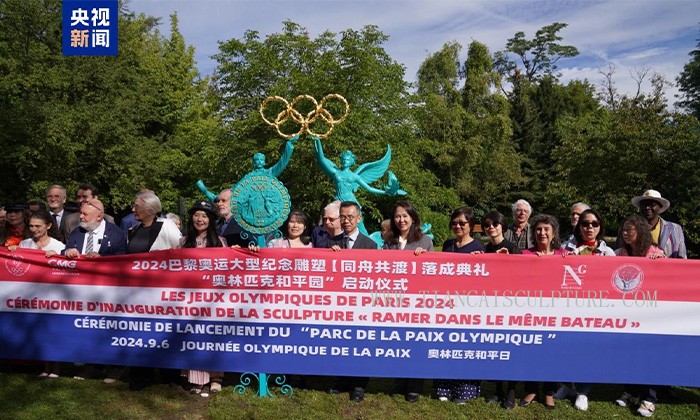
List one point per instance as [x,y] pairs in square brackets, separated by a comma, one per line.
[95,236]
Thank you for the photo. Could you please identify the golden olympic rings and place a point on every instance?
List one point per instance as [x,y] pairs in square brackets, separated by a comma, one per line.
[290,113]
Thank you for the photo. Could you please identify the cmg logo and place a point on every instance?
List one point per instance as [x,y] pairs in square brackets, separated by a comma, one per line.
[62,263]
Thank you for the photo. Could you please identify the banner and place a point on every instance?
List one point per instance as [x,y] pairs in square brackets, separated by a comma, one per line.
[359,313]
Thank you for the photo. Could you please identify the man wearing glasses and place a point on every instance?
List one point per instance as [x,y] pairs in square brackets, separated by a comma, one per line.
[350,238]
[519,232]
[330,226]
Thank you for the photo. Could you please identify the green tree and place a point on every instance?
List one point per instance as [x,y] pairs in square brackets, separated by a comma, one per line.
[352,63]
[537,56]
[689,84]
[121,123]
[608,156]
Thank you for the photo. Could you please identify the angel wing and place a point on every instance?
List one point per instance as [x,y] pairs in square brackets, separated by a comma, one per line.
[372,171]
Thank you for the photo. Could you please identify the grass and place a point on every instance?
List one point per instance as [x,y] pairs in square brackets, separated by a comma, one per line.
[22,396]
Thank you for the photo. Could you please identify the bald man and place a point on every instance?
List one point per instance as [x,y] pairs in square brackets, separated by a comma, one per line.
[95,237]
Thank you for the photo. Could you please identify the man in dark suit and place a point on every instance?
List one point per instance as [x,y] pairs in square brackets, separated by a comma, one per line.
[56,199]
[95,237]
[228,227]
[350,238]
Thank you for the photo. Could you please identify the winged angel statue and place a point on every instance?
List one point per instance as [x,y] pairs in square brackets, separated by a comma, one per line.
[347,182]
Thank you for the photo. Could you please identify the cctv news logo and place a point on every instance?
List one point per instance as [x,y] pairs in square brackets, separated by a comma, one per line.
[573,276]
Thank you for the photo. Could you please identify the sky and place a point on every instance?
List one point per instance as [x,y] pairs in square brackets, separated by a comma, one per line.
[630,35]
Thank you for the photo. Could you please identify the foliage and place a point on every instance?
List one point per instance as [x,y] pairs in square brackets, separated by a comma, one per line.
[689,84]
[538,56]
[353,64]
[609,156]
[122,123]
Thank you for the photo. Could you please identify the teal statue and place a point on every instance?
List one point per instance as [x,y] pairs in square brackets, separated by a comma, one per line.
[259,201]
[259,166]
[347,181]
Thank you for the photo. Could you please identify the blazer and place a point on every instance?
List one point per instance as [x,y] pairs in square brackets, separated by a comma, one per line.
[236,235]
[362,242]
[672,240]
[113,241]
[68,222]
[424,242]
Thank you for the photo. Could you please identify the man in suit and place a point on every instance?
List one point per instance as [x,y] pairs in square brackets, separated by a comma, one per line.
[228,227]
[56,199]
[90,192]
[350,238]
[95,237]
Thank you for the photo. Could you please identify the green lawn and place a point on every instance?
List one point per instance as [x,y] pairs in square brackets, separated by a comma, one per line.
[22,396]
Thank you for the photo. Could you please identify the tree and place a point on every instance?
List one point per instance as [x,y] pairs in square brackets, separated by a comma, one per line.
[689,84]
[352,63]
[121,123]
[608,156]
[538,56]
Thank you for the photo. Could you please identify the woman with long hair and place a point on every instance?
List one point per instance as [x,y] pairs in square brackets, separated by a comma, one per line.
[406,234]
[296,229]
[636,236]
[44,234]
[201,233]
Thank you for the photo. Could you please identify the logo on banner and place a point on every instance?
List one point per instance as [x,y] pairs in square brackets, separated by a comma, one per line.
[63,267]
[627,278]
[573,276]
[16,265]
[90,27]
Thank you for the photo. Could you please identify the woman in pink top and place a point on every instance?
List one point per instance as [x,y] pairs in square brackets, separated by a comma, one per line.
[637,239]
[546,231]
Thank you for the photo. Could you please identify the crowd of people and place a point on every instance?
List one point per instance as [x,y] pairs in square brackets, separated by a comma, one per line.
[89,232]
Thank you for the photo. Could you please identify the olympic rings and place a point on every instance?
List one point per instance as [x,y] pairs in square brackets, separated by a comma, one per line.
[291,113]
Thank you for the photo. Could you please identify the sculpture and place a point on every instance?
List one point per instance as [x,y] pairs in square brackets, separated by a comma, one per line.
[347,181]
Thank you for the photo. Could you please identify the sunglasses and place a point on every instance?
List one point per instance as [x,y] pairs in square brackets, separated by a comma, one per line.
[490,225]
[329,219]
[456,223]
[593,224]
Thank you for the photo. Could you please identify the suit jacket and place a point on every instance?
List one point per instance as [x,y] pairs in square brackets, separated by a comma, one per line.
[236,235]
[113,241]
[68,222]
[362,242]
[424,242]
[672,240]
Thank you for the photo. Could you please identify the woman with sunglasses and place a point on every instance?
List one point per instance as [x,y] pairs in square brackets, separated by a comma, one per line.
[588,240]
[588,236]
[462,221]
[492,224]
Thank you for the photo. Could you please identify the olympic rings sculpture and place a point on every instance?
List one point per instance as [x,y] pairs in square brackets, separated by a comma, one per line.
[305,121]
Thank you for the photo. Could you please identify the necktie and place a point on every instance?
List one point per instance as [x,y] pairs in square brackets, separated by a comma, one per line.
[55,220]
[346,242]
[89,244]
